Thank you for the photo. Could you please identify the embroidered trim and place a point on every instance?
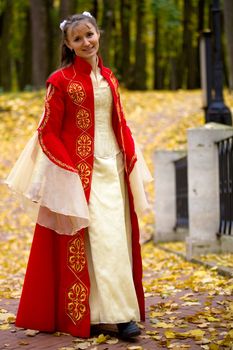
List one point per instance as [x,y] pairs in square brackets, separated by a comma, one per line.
[77,294]
[76,301]
[132,162]
[47,111]
[76,92]
[84,146]
[84,171]
[83,118]
[114,81]
[76,255]
[54,159]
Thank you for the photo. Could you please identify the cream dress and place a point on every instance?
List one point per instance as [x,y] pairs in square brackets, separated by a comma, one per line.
[113,298]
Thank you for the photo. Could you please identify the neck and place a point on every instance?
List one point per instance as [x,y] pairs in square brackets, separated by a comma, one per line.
[93,61]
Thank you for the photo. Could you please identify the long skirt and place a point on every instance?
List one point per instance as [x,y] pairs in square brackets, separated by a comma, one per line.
[74,281]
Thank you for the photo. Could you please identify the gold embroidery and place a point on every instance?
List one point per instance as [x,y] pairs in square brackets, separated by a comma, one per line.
[84,171]
[114,81]
[76,301]
[49,154]
[83,120]
[76,92]
[47,111]
[84,146]
[132,162]
[76,255]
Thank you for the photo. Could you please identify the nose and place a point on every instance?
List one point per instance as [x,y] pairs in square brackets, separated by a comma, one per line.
[86,42]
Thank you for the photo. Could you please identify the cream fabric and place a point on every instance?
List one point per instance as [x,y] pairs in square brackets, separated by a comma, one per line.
[139,176]
[38,180]
[112,296]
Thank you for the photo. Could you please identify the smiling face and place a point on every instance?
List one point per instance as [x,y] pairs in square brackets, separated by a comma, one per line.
[83,38]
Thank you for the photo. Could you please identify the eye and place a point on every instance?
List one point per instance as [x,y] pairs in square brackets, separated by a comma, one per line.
[89,34]
[76,39]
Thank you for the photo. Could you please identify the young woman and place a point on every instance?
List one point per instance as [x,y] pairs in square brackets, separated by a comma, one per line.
[80,170]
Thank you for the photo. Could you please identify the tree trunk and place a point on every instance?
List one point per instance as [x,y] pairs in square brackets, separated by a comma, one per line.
[39,43]
[201,14]
[67,8]
[94,9]
[6,61]
[140,77]
[188,60]
[158,71]
[24,64]
[108,30]
[125,11]
[228,22]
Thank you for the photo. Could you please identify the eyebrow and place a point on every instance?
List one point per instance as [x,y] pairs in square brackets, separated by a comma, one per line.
[89,28]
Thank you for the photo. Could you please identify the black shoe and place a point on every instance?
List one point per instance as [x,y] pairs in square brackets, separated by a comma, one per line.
[128,330]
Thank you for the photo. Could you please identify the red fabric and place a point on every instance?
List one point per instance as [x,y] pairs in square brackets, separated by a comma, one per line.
[49,279]
[56,287]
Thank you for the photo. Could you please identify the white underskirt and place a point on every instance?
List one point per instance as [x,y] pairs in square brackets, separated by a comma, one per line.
[112,295]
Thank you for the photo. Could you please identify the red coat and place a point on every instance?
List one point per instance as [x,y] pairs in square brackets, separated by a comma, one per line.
[66,135]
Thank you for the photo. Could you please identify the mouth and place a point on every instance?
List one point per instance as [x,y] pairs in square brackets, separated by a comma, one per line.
[89,49]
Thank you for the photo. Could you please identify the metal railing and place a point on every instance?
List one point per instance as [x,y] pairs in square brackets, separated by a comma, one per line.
[181,178]
[225,154]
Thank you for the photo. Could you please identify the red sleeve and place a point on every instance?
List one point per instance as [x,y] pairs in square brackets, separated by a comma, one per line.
[50,128]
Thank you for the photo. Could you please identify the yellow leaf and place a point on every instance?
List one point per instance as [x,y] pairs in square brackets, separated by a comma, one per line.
[102,338]
[197,333]
[164,325]
[212,319]
[169,334]
[4,327]
[213,347]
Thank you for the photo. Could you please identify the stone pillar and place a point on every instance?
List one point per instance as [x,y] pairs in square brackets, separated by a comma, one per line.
[165,199]
[203,192]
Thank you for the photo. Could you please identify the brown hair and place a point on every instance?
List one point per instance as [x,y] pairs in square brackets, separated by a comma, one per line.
[67,55]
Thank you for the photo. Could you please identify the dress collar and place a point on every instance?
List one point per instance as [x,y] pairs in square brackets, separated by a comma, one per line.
[83,66]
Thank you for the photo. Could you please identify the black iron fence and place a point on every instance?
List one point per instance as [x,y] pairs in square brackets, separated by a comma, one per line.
[225,154]
[181,177]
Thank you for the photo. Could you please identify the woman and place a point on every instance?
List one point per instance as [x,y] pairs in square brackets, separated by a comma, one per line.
[81,172]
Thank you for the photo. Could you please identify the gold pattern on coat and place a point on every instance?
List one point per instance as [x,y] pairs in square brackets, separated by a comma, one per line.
[76,92]
[84,171]
[84,146]
[114,81]
[83,119]
[76,255]
[51,156]
[76,301]
[47,111]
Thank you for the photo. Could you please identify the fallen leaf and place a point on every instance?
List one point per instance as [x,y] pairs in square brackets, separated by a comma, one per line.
[31,332]
[83,345]
[112,341]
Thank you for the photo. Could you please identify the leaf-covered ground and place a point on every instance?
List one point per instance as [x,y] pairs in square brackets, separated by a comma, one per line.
[186,303]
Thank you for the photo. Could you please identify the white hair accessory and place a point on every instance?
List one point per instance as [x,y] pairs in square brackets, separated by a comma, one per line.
[62,24]
[85,13]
